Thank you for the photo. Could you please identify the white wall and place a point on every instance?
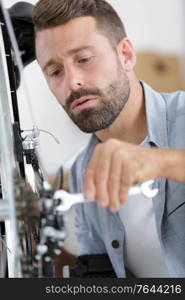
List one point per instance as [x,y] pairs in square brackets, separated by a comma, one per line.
[157,25]
[154,25]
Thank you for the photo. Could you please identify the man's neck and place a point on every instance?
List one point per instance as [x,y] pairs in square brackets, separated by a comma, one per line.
[131,125]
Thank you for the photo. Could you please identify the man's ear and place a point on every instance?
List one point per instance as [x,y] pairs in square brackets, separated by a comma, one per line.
[126,54]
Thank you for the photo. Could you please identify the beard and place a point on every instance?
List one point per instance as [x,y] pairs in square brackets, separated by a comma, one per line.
[112,100]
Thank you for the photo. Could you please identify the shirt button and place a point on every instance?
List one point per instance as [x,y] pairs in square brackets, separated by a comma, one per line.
[115,244]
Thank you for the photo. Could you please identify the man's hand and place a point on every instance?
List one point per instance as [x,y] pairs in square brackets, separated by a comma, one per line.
[116,166]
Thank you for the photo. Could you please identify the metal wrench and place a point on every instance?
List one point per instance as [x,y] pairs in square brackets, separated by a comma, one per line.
[68,200]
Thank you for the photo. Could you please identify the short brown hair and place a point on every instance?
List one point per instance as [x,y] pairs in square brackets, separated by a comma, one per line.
[51,13]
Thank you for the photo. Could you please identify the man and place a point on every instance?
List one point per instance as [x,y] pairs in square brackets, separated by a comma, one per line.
[88,62]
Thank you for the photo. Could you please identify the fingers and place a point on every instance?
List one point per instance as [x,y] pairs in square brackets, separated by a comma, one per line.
[116,166]
[97,174]
[114,183]
[105,179]
[125,184]
[101,179]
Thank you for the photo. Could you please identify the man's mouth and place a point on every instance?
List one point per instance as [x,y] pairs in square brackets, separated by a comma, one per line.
[83,103]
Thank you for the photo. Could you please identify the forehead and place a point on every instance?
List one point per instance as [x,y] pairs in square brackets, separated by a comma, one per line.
[77,33]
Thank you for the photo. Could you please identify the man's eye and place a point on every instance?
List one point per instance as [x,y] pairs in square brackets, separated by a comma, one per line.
[55,73]
[85,60]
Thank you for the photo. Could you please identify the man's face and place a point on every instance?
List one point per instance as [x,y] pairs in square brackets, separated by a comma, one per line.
[83,72]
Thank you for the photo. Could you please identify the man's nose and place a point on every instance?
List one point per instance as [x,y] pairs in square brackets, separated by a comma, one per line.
[75,79]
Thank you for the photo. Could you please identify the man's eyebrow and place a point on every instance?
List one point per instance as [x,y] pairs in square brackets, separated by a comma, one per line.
[70,52]
[73,51]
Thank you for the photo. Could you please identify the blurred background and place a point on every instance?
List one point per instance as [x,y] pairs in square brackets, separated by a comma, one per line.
[157,31]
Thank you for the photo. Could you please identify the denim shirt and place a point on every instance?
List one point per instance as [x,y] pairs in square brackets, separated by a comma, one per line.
[100,231]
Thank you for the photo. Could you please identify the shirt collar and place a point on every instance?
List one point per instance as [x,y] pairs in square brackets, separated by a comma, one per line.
[156,116]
